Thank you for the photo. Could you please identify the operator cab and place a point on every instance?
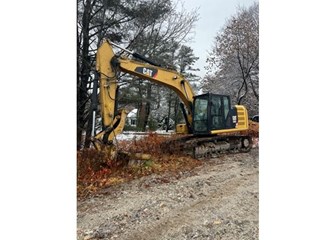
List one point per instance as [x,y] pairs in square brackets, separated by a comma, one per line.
[213,112]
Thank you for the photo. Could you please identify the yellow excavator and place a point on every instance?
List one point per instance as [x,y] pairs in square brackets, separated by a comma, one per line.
[212,126]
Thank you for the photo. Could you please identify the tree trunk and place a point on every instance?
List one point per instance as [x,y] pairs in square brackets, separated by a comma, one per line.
[144,109]
[169,112]
[83,74]
[147,108]
[176,108]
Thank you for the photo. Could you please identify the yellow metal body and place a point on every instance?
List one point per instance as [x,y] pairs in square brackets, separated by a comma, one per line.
[116,128]
[181,129]
[113,123]
[242,122]
[242,117]
[166,77]
[108,83]
[163,76]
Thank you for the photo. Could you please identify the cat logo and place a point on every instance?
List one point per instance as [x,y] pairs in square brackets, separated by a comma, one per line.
[151,72]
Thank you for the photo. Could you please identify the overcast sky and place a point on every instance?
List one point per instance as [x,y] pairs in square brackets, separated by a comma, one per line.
[213,15]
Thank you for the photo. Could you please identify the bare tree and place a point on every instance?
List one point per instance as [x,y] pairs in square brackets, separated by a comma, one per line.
[161,42]
[233,66]
[111,19]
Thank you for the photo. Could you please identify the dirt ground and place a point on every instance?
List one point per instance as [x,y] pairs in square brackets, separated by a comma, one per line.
[218,200]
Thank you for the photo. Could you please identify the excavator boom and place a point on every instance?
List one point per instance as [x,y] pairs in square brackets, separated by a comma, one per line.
[213,123]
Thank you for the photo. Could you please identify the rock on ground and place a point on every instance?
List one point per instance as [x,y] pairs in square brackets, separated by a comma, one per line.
[218,200]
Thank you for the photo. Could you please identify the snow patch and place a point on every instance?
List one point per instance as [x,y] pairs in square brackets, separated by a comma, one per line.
[130,135]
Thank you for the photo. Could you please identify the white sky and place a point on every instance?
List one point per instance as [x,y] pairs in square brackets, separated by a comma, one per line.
[213,15]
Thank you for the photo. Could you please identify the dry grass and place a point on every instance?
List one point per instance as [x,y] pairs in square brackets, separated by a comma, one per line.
[96,170]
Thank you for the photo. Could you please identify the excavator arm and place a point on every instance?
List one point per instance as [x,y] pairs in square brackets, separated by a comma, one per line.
[169,78]
[109,64]
[216,126]
[113,120]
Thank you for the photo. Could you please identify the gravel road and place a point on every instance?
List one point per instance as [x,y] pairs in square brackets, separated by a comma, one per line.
[218,200]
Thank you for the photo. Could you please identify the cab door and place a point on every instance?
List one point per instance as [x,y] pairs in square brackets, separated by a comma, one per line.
[213,112]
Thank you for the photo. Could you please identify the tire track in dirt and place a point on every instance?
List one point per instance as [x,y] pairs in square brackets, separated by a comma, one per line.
[218,201]
[190,215]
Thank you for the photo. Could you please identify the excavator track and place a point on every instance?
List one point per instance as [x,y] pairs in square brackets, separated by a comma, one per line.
[203,147]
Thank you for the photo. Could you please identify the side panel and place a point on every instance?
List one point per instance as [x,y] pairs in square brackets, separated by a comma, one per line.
[242,117]
[242,124]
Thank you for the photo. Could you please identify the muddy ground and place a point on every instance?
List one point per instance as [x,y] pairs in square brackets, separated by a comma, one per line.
[218,200]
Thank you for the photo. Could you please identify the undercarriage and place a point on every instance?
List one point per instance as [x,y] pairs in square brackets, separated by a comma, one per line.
[202,147]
